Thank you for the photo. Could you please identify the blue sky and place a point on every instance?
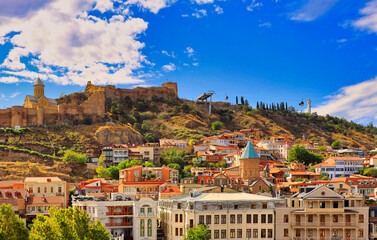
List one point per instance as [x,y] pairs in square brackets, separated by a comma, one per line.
[264,50]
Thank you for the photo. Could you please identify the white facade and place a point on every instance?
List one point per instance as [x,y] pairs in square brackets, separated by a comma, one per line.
[342,168]
[137,219]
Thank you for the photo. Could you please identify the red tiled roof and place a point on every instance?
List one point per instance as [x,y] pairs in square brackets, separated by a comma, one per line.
[48,201]
[171,190]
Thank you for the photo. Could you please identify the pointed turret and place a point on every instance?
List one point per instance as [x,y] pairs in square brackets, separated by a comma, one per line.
[39,89]
[249,152]
[249,163]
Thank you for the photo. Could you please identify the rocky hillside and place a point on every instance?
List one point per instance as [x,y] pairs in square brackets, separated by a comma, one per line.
[141,120]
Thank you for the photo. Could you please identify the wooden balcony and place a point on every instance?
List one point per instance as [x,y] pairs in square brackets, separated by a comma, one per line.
[118,213]
[119,224]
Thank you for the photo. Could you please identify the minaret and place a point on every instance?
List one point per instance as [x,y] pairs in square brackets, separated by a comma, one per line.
[309,106]
[39,89]
[249,163]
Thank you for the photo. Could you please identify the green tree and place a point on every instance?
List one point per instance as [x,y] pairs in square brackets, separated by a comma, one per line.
[336,143]
[301,155]
[322,148]
[11,226]
[324,176]
[217,126]
[71,156]
[199,232]
[67,224]
[102,172]
[175,166]
[116,110]
[113,172]
[191,142]
[149,137]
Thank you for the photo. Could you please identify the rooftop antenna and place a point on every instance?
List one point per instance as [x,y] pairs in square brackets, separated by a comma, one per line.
[205,96]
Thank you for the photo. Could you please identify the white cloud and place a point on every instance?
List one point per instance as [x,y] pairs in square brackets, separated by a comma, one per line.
[195,64]
[169,68]
[204,1]
[79,46]
[199,13]
[152,5]
[104,5]
[13,95]
[312,10]
[369,21]
[190,51]
[168,54]
[266,24]
[254,4]
[343,40]
[9,80]
[353,102]
[219,10]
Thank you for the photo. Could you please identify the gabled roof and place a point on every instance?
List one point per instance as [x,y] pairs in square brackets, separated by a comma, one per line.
[171,190]
[48,201]
[249,152]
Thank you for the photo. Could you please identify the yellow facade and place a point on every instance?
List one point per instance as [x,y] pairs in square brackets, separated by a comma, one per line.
[39,99]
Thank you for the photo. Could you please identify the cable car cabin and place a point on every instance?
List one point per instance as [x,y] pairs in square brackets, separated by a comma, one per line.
[301,103]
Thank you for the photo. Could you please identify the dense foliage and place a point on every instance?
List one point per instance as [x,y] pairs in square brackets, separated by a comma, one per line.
[71,156]
[11,226]
[301,155]
[67,224]
[199,232]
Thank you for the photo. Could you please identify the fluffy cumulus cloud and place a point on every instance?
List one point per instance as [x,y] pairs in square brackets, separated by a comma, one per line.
[169,67]
[190,51]
[312,10]
[356,102]
[369,20]
[69,46]
[218,9]
[199,13]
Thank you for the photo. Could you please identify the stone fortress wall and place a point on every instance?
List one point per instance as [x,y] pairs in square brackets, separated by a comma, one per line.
[93,106]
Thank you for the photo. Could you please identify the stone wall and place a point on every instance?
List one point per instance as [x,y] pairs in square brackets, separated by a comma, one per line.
[93,106]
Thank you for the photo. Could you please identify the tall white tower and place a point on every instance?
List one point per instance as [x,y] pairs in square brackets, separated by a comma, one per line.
[309,106]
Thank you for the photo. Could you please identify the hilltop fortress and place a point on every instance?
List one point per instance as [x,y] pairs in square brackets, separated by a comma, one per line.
[40,110]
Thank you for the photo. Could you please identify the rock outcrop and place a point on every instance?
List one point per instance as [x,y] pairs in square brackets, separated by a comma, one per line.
[118,134]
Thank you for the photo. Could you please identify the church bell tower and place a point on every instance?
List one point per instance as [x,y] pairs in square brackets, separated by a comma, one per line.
[39,89]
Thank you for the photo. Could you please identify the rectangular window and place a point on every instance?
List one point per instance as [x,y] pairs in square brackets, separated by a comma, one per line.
[176,215]
[255,218]
[248,218]
[232,233]
[60,190]
[310,218]
[216,234]
[176,232]
[204,207]
[201,219]
[217,219]
[239,218]
[232,218]
[322,204]
[286,219]
[335,218]
[270,220]
[223,219]
[264,205]
[263,233]
[220,206]
[208,219]
[180,232]
[335,204]
[236,206]
[248,233]
[263,218]
[253,206]
[255,233]
[361,218]
[269,233]
[361,233]
[239,233]
[223,234]
[285,232]
[181,218]
[179,206]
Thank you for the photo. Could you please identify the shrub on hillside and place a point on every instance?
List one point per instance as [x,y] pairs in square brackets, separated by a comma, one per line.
[71,156]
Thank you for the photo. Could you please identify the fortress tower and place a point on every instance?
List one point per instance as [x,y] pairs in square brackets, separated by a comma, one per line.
[171,85]
[249,163]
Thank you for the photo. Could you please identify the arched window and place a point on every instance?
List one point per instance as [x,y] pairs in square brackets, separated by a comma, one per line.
[142,228]
[149,227]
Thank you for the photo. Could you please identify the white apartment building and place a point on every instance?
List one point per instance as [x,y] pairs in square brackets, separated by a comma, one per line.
[340,166]
[228,215]
[126,219]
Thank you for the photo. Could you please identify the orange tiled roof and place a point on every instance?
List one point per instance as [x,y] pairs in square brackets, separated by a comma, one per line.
[171,190]
[48,201]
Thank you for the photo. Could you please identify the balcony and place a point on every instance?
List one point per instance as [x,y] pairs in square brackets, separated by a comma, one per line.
[118,213]
[119,224]
[323,224]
